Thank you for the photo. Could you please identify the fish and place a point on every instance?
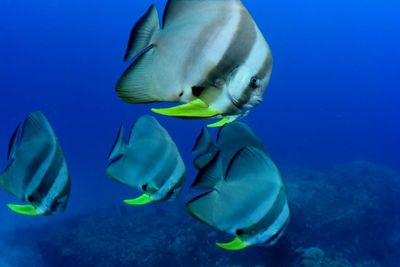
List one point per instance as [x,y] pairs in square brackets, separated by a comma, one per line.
[209,55]
[37,172]
[249,201]
[230,139]
[150,161]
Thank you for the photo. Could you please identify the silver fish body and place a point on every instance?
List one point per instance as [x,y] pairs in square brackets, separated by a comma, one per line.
[207,50]
[245,194]
[37,172]
[150,162]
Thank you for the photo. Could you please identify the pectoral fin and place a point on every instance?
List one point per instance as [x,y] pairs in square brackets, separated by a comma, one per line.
[194,109]
[235,244]
[29,210]
[142,200]
[220,123]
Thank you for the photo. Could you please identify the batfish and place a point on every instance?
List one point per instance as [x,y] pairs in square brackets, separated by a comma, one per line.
[150,161]
[37,172]
[208,54]
[248,200]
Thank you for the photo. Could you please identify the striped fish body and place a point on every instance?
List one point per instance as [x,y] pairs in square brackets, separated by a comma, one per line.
[37,172]
[249,201]
[150,161]
[207,50]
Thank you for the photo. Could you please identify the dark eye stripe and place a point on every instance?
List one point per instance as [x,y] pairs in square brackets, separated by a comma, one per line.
[244,97]
[239,48]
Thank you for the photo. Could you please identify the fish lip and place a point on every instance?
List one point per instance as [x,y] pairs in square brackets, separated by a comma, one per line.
[234,102]
[243,109]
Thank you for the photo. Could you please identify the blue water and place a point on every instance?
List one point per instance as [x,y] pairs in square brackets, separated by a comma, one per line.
[333,99]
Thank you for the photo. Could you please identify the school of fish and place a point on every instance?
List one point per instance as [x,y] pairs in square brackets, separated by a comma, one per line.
[210,56]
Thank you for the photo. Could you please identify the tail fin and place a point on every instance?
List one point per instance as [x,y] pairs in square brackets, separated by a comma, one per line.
[201,161]
[119,144]
[138,84]
[13,145]
[142,33]
[210,174]
[204,143]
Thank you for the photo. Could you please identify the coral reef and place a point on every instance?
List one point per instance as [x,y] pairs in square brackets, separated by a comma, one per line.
[341,216]
[315,257]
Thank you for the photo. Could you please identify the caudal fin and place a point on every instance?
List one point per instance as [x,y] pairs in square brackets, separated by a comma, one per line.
[119,144]
[204,143]
[137,84]
[210,174]
[142,33]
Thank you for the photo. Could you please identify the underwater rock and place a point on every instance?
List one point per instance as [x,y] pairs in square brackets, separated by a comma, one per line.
[315,257]
[155,236]
[341,216]
[345,210]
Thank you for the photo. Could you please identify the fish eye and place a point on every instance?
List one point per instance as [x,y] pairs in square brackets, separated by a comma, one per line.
[239,232]
[254,82]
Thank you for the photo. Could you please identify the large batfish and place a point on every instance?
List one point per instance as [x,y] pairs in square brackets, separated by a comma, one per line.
[209,54]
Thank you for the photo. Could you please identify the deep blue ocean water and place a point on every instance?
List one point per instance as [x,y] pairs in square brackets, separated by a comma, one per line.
[333,98]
